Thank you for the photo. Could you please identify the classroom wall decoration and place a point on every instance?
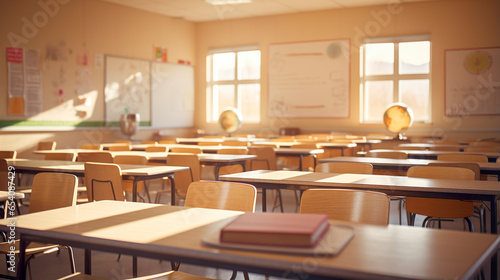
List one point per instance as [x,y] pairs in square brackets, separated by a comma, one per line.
[472,82]
[309,79]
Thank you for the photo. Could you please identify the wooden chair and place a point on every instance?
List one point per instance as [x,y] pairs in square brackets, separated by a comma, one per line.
[8,154]
[127,184]
[266,158]
[46,145]
[234,143]
[387,154]
[221,195]
[445,148]
[482,149]
[156,149]
[102,156]
[231,169]
[149,142]
[367,207]
[5,179]
[345,167]
[49,191]
[436,208]
[171,140]
[463,157]
[103,181]
[189,150]
[66,156]
[92,147]
[182,178]
[119,147]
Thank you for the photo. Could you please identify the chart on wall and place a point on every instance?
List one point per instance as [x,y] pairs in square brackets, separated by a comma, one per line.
[127,89]
[472,82]
[309,79]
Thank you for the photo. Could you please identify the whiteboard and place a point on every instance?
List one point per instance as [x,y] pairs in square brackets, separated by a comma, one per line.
[472,82]
[127,89]
[172,94]
[161,93]
[309,79]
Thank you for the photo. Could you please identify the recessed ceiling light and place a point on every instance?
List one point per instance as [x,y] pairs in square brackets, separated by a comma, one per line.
[227,2]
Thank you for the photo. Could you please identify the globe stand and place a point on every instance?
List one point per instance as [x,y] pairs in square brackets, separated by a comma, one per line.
[129,124]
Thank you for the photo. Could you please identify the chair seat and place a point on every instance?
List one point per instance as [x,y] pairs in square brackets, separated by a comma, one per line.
[33,248]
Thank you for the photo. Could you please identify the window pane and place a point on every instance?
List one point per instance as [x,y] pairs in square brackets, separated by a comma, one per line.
[415,94]
[378,95]
[224,66]
[223,98]
[249,102]
[379,59]
[249,65]
[414,57]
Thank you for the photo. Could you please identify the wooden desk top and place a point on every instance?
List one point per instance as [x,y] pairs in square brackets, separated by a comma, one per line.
[161,231]
[428,154]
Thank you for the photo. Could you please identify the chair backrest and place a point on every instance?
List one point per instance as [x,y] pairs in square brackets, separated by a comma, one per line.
[441,172]
[8,154]
[189,150]
[4,175]
[102,156]
[52,190]
[235,151]
[387,154]
[469,165]
[367,207]
[209,143]
[266,144]
[345,167]
[445,148]
[482,149]
[221,195]
[46,145]
[103,181]
[303,145]
[92,147]
[266,158]
[167,140]
[67,156]
[130,159]
[463,157]
[485,143]
[156,149]
[149,142]
[119,147]
[184,178]
[415,148]
[234,143]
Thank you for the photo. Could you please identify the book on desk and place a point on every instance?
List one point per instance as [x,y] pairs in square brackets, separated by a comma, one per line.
[276,229]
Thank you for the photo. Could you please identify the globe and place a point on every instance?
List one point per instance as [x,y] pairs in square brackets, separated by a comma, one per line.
[230,120]
[398,117]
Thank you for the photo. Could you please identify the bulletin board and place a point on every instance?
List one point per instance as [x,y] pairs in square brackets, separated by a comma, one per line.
[472,82]
[161,93]
[309,79]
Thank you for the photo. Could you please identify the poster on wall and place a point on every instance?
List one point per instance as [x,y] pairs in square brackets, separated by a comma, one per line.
[24,89]
[472,82]
[309,79]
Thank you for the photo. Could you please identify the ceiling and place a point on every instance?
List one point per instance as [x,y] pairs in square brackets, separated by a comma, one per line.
[199,10]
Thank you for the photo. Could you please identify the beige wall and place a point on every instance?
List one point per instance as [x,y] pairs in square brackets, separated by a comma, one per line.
[77,27]
[99,27]
[451,24]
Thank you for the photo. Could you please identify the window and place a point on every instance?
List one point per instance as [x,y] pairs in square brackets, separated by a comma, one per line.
[395,70]
[233,80]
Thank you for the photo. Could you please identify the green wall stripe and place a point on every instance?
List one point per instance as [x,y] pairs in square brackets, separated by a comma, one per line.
[7,123]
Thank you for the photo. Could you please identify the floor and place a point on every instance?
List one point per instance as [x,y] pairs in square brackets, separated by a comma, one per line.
[108,266]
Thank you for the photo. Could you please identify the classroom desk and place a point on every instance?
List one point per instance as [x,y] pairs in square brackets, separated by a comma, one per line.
[429,154]
[175,233]
[197,140]
[131,172]
[392,185]
[488,168]
[430,145]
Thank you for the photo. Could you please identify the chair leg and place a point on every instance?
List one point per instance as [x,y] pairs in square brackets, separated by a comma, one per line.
[469,222]
[71,259]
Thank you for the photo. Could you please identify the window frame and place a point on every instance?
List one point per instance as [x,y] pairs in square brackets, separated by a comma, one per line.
[210,83]
[395,77]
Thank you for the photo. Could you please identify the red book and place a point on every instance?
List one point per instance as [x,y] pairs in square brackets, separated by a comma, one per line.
[276,229]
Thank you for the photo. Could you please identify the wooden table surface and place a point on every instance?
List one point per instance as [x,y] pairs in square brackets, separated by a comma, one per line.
[430,154]
[175,233]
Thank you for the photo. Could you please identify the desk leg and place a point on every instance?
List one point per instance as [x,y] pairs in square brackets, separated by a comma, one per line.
[21,272]
[264,200]
[494,259]
[134,266]
[217,168]
[300,162]
[134,191]
[172,189]
[88,262]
